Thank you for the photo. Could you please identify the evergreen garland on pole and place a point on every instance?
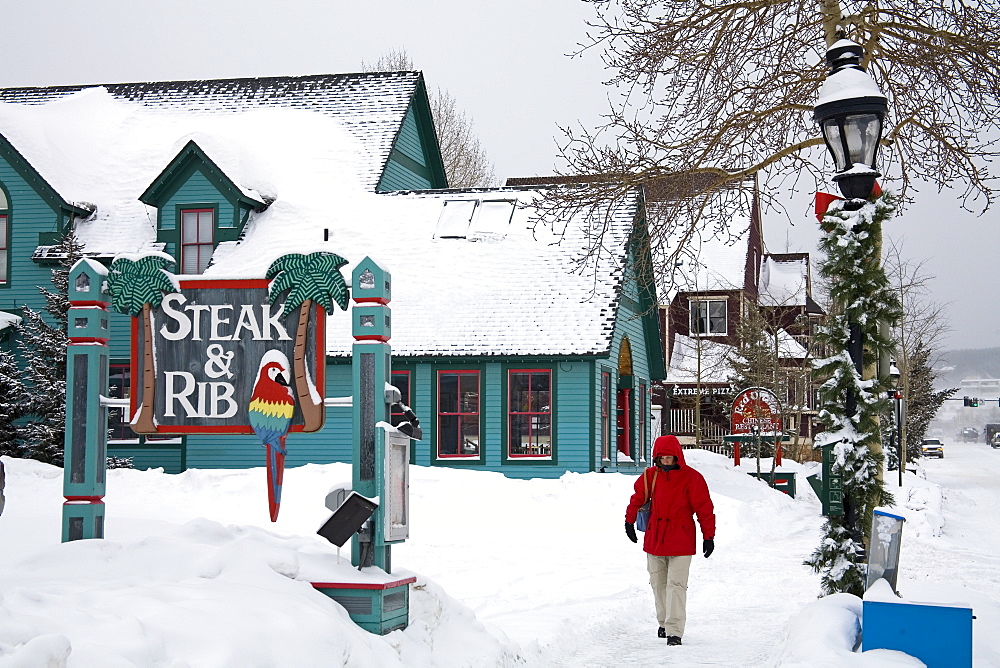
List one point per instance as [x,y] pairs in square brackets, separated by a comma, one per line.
[860,294]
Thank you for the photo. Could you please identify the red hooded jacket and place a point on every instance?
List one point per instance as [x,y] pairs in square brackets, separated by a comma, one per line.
[679,496]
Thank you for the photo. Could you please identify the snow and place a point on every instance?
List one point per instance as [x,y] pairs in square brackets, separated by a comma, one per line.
[509,572]
[8,320]
[710,261]
[559,298]
[684,361]
[783,282]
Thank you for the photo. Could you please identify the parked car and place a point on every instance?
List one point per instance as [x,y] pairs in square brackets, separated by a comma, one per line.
[932,447]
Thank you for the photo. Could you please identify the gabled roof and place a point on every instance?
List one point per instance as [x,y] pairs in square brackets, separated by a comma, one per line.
[192,156]
[371,105]
[38,182]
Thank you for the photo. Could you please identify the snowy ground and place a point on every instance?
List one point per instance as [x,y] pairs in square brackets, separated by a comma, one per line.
[509,572]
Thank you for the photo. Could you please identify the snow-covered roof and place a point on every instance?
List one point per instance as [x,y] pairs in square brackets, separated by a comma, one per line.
[783,281]
[8,320]
[517,290]
[685,363]
[523,287]
[91,146]
[369,106]
[709,261]
[789,348]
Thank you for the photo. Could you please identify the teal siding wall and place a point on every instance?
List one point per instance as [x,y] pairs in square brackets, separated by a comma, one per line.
[407,168]
[628,324]
[28,215]
[398,177]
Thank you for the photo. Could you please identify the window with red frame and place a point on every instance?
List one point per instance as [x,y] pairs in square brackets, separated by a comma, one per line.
[642,422]
[401,381]
[4,261]
[529,413]
[119,382]
[605,415]
[197,239]
[458,414]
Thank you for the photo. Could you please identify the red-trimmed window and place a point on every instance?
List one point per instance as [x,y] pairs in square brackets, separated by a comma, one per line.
[605,415]
[401,381]
[458,413]
[529,413]
[643,410]
[119,382]
[4,255]
[197,239]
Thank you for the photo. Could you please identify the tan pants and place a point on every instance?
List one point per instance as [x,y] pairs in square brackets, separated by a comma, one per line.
[668,576]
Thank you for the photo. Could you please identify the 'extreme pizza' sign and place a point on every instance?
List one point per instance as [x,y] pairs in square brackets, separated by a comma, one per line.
[207,344]
[756,410]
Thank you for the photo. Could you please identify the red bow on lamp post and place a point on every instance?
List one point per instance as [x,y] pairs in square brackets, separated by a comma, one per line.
[824,200]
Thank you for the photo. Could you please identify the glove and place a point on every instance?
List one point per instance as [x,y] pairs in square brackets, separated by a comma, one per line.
[709,547]
[630,532]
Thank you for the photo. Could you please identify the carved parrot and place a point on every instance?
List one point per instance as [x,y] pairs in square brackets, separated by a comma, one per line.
[272,403]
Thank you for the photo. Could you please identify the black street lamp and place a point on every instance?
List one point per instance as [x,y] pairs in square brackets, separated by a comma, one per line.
[850,111]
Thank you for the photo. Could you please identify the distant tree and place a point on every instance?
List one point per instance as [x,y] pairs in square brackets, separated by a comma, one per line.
[924,402]
[918,336]
[12,399]
[42,345]
[465,161]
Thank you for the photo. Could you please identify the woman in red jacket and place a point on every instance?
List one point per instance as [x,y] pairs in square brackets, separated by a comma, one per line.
[679,493]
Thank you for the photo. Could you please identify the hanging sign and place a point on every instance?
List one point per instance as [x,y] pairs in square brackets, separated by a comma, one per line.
[756,411]
[214,344]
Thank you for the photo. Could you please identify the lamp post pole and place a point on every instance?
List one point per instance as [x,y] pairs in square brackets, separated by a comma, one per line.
[850,111]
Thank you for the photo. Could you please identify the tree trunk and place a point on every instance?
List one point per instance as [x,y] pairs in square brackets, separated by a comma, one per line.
[831,20]
[313,414]
[144,423]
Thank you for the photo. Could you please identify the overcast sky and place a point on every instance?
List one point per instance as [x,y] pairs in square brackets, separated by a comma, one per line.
[505,63]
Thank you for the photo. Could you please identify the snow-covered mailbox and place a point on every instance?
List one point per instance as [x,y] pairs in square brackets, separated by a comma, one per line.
[939,634]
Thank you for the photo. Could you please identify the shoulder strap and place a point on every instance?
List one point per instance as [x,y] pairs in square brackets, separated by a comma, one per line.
[645,481]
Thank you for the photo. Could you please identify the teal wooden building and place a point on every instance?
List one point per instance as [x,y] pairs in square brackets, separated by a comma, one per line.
[525,343]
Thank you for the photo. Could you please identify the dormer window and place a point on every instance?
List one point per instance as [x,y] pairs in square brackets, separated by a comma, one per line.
[197,239]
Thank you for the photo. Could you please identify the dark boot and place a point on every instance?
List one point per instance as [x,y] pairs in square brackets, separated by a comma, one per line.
[673,640]
[661,633]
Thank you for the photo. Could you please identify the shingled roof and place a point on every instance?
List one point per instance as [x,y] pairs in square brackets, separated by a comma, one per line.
[370,105]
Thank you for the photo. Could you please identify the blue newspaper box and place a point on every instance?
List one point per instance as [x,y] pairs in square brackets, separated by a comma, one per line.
[939,634]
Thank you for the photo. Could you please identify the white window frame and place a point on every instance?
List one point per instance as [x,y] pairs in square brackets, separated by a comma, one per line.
[694,306]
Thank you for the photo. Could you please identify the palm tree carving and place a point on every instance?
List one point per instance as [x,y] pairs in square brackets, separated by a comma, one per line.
[307,278]
[138,286]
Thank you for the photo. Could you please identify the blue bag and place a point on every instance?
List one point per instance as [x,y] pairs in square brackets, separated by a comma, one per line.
[642,517]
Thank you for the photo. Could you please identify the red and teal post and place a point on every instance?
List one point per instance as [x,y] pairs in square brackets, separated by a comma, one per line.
[85,463]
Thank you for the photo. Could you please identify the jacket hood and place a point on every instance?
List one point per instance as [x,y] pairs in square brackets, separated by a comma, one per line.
[668,445]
